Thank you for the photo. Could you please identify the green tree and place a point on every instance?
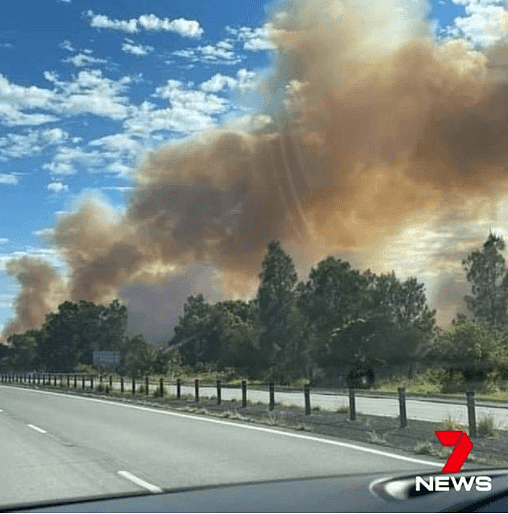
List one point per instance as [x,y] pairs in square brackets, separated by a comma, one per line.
[76,330]
[23,355]
[486,271]
[277,309]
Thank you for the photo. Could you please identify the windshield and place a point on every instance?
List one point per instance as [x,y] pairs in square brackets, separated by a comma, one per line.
[267,229]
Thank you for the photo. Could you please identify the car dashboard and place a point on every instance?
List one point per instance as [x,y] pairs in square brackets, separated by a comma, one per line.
[373,492]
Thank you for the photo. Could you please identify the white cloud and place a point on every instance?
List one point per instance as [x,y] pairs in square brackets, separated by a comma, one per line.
[117,143]
[43,232]
[90,92]
[129,47]
[254,39]
[3,240]
[30,143]
[6,45]
[149,22]
[244,81]
[62,163]
[80,60]
[66,45]
[221,53]
[485,23]
[7,178]
[57,187]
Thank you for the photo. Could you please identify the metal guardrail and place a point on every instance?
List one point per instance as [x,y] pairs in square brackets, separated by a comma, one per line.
[70,381]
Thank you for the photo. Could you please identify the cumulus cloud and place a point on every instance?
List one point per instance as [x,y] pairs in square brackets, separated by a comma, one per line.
[81,60]
[32,142]
[254,39]
[148,22]
[129,47]
[244,81]
[57,187]
[9,179]
[221,53]
[189,110]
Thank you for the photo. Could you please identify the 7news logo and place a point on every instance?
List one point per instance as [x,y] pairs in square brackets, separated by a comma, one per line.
[463,446]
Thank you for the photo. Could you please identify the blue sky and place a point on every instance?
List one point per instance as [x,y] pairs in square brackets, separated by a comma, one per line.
[87,88]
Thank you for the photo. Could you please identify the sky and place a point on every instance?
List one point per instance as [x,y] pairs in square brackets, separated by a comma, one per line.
[101,102]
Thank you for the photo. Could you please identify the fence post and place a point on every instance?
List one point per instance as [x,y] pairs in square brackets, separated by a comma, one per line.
[402,405]
[218,393]
[100,379]
[147,385]
[161,387]
[133,386]
[471,413]
[68,381]
[111,382]
[121,384]
[178,388]
[352,407]
[244,393]
[75,381]
[61,380]
[272,396]
[196,390]
[91,382]
[306,393]
[82,381]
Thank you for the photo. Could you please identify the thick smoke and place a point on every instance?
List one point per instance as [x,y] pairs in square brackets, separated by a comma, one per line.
[372,124]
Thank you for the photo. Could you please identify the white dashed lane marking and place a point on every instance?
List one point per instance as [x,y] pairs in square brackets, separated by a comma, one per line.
[37,428]
[129,476]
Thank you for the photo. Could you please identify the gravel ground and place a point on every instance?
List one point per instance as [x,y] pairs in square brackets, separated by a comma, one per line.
[417,437]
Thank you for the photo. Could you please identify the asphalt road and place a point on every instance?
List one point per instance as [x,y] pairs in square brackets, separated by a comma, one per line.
[56,446]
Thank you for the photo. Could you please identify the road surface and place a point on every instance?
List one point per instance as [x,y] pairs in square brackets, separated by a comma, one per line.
[58,446]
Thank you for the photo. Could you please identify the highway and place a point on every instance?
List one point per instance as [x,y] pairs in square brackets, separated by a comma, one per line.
[57,446]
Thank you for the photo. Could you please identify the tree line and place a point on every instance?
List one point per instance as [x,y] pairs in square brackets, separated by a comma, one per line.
[338,320]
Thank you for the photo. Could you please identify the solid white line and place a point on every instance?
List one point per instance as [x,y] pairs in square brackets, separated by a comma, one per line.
[253,427]
[138,481]
[37,428]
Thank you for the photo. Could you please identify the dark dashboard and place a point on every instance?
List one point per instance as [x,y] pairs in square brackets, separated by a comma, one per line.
[374,492]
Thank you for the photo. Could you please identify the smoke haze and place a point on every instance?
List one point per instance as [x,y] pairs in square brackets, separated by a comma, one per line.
[368,125]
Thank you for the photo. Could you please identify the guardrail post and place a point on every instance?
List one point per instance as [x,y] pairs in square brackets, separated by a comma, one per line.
[121,384]
[161,387]
[68,381]
[196,390]
[91,382]
[61,380]
[244,393]
[352,407]
[471,413]
[133,386]
[402,406]
[147,385]
[272,396]
[75,381]
[82,381]
[306,393]
[218,393]
[111,381]
[178,388]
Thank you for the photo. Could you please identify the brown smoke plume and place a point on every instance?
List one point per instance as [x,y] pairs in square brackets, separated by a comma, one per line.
[372,124]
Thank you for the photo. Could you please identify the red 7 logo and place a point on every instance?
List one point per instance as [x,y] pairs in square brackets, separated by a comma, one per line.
[463,446]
